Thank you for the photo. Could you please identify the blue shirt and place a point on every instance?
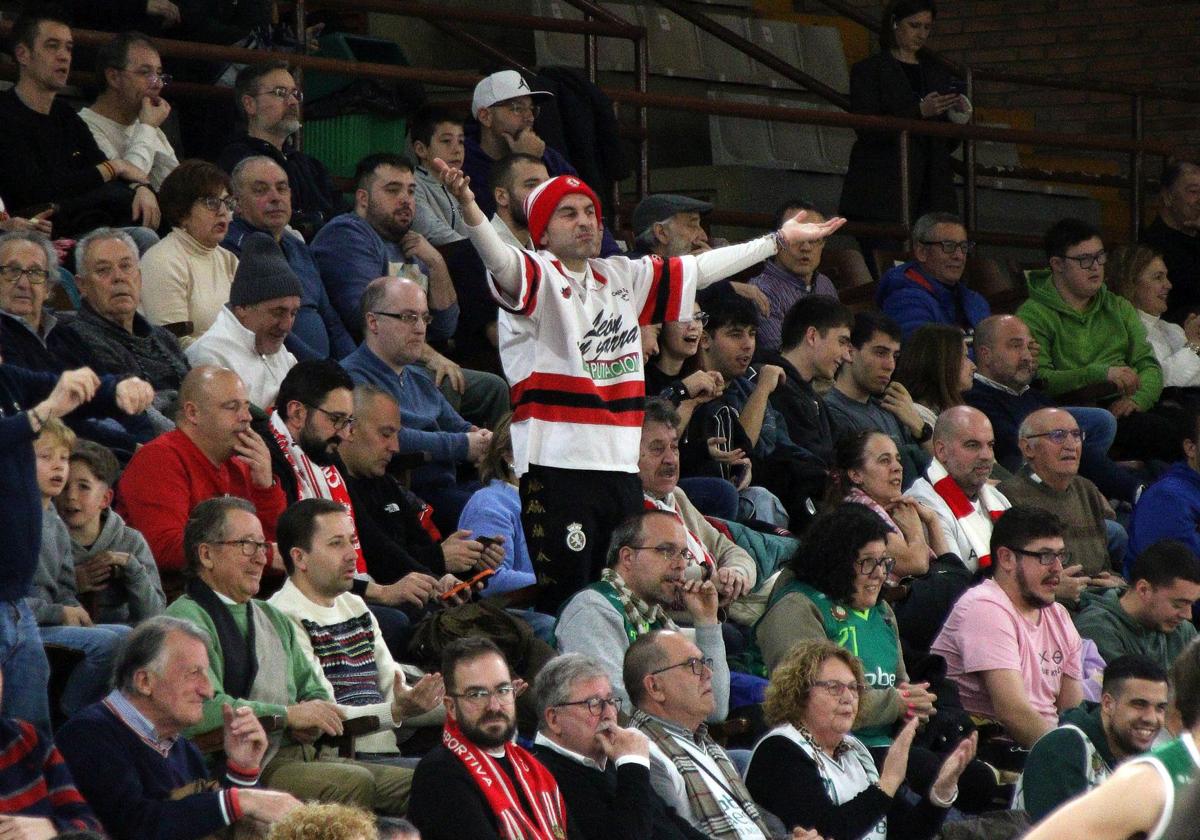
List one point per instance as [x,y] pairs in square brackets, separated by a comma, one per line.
[495,511]
[318,332]
[350,254]
[429,423]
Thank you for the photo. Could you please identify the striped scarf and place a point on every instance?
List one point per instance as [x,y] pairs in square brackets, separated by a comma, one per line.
[640,615]
[976,526]
[715,822]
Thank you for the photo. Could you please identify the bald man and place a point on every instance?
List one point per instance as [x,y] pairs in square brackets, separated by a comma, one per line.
[1052,446]
[955,483]
[212,452]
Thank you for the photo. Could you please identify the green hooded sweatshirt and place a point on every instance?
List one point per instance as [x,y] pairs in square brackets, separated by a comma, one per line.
[1102,619]
[1065,762]
[1078,348]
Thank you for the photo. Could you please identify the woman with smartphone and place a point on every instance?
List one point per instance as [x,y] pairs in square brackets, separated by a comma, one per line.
[902,80]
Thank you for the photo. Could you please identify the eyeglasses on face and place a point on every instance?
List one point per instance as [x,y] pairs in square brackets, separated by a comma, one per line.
[667,551]
[482,696]
[153,78]
[595,705]
[215,204]
[283,92]
[701,318]
[408,318]
[249,547]
[1046,556]
[1060,436]
[337,419]
[696,663]
[522,110]
[13,274]
[837,688]
[868,565]
[949,246]
[1087,261]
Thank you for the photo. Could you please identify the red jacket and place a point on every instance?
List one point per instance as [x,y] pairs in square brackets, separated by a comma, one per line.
[168,477]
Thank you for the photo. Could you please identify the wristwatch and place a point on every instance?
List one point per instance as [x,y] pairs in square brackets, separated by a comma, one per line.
[676,392]
[926,433]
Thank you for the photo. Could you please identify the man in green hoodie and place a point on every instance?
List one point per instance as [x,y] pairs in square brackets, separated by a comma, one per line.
[1094,737]
[1151,617]
[1093,345]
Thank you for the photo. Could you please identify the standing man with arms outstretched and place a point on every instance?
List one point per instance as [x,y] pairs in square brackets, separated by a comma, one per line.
[571,351]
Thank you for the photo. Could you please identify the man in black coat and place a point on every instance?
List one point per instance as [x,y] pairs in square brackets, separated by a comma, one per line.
[602,770]
[814,341]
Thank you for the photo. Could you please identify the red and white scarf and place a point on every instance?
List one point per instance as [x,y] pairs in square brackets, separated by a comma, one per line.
[314,482]
[974,525]
[549,819]
[698,549]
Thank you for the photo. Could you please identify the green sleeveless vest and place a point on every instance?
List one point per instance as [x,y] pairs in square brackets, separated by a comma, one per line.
[869,634]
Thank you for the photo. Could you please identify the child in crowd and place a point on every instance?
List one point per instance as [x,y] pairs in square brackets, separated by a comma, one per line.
[63,622]
[112,559]
[437,133]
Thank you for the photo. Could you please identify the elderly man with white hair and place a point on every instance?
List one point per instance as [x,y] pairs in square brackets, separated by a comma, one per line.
[110,334]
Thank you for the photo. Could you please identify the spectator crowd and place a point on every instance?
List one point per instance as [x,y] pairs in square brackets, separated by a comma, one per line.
[439,503]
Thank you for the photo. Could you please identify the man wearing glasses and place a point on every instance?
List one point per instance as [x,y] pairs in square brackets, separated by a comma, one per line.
[394,323]
[644,578]
[602,769]
[929,289]
[1093,344]
[1052,444]
[672,684]
[504,109]
[1013,651]
[126,118]
[268,100]
[479,783]
[255,659]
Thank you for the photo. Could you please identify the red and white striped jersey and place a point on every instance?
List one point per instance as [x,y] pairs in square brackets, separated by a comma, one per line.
[572,354]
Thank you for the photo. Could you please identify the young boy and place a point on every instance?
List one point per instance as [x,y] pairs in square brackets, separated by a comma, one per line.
[436,133]
[63,622]
[111,559]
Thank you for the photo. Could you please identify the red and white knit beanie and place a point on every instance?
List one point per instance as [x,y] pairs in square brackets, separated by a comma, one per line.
[543,201]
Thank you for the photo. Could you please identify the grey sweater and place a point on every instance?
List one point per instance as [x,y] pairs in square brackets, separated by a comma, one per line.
[438,218]
[54,580]
[136,591]
[590,624]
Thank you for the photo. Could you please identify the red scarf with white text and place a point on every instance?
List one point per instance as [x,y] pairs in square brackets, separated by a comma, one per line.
[541,790]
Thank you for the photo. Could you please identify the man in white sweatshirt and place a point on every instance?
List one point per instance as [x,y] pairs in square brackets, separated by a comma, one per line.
[570,345]
[337,632]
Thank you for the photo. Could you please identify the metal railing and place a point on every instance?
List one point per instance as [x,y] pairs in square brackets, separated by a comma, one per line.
[1138,94]
[642,100]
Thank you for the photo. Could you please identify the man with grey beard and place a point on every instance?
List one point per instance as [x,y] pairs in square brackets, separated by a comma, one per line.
[268,100]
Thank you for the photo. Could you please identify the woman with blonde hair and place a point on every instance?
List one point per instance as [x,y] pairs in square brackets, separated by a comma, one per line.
[1139,275]
[811,772]
[325,821]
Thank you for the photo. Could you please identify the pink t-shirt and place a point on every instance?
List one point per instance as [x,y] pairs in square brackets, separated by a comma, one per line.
[984,632]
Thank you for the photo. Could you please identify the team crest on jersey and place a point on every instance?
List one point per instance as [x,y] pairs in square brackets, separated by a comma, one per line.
[839,612]
[576,539]
[566,292]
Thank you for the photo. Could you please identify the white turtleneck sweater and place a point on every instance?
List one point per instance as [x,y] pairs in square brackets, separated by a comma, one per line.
[183,280]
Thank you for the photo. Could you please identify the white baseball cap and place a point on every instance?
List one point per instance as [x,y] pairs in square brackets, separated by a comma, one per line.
[500,87]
